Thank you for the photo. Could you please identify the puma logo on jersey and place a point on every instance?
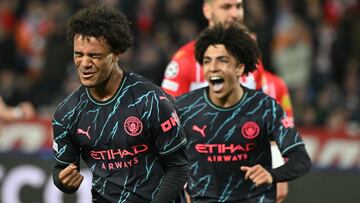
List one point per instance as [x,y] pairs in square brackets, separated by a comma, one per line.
[83,132]
[200,130]
[288,122]
[162,98]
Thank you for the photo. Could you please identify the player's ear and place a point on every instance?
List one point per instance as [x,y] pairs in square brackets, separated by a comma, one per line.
[206,11]
[240,68]
[115,58]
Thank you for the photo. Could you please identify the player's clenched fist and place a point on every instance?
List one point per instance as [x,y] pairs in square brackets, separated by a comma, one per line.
[257,174]
[70,177]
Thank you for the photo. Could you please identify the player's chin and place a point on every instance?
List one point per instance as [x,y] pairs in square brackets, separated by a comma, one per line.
[88,83]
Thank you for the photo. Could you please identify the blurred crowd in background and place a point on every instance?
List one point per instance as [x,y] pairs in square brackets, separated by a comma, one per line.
[313,44]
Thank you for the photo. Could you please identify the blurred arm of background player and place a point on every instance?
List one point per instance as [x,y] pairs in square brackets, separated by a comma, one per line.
[24,110]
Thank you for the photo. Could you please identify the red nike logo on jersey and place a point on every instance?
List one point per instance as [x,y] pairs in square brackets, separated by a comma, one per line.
[83,132]
[199,130]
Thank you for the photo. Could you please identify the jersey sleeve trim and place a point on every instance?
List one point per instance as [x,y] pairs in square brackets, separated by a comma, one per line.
[183,142]
[292,146]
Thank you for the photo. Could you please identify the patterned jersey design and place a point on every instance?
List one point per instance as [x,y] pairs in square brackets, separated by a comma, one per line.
[220,140]
[120,139]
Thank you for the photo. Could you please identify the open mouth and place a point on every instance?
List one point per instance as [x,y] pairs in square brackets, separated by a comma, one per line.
[87,74]
[217,82]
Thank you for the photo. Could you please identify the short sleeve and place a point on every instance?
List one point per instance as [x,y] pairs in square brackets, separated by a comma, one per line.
[166,129]
[282,129]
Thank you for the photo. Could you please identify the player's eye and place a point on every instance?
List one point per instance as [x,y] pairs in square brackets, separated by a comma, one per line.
[239,5]
[224,60]
[226,6]
[95,56]
[77,55]
[206,61]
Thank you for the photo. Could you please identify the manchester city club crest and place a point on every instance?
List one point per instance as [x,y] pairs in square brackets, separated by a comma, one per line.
[250,130]
[133,126]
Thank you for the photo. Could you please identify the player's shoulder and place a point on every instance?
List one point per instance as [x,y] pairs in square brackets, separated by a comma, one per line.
[71,101]
[141,85]
[256,96]
[139,81]
[190,97]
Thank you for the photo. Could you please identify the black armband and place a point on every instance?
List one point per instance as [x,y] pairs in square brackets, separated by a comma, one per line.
[176,173]
[299,164]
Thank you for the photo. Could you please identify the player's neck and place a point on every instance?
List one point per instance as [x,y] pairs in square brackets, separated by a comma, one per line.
[229,100]
[108,89]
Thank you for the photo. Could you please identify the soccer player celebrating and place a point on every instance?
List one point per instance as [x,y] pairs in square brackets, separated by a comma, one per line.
[184,74]
[229,127]
[124,127]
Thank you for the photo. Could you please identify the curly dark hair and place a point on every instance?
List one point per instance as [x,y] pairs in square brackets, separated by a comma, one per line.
[100,21]
[236,40]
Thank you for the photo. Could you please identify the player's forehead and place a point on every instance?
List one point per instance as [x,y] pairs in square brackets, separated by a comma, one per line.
[238,3]
[217,51]
[90,43]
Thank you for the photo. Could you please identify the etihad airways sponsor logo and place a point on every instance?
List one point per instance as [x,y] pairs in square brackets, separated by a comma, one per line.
[335,150]
[119,164]
[225,153]
[223,148]
[111,154]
